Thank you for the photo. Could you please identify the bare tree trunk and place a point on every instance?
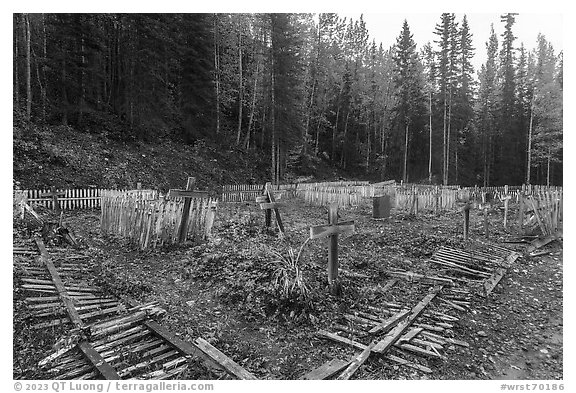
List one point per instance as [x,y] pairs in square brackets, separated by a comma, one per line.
[456,163]
[44,61]
[448,137]
[548,168]
[529,163]
[253,106]
[367,148]
[16,58]
[240,86]
[405,170]
[334,133]
[430,142]
[217,73]
[444,177]
[83,87]
[308,114]
[64,94]
[316,146]
[342,160]
[28,68]
[272,122]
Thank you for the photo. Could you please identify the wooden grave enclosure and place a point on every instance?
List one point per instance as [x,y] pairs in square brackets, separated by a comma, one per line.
[150,222]
[268,203]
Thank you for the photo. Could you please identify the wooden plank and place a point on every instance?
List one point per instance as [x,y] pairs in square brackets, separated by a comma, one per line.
[105,369]
[491,282]
[394,335]
[410,335]
[223,360]
[327,370]
[388,324]
[181,345]
[320,231]
[340,339]
[64,296]
[187,194]
[357,362]
[538,243]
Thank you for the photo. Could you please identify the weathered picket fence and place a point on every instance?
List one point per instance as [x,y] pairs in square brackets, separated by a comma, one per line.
[150,220]
[544,208]
[77,198]
[436,200]
[249,192]
[321,196]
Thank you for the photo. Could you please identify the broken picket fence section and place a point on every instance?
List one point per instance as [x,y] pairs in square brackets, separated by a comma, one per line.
[150,221]
[77,198]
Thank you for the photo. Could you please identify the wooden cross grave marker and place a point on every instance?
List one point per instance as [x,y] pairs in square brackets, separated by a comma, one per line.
[54,195]
[332,230]
[268,203]
[187,195]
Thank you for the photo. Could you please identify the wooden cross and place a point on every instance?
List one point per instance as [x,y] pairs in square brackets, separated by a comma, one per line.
[54,194]
[332,230]
[268,203]
[187,195]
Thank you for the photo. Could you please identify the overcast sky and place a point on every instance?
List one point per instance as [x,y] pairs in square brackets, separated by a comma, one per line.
[385,27]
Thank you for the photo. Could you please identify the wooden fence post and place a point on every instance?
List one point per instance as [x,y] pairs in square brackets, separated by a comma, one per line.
[466,220]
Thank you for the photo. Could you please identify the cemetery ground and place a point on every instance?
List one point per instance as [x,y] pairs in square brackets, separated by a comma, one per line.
[229,291]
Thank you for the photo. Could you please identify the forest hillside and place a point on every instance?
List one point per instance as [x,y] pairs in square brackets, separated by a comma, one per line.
[276,96]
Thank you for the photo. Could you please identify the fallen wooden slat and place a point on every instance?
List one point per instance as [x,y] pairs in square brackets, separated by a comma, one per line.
[491,282]
[450,340]
[389,323]
[411,276]
[360,320]
[430,327]
[347,329]
[183,346]
[327,370]
[72,312]
[340,339]
[538,243]
[388,285]
[357,362]
[410,335]
[105,369]
[459,267]
[408,363]
[417,350]
[393,336]
[452,304]
[227,363]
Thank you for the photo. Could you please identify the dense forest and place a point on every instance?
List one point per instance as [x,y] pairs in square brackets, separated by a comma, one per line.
[301,88]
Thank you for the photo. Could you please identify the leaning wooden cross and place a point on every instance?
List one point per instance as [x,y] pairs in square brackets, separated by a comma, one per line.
[332,230]
[268,203]
[187,195]
[54,195]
